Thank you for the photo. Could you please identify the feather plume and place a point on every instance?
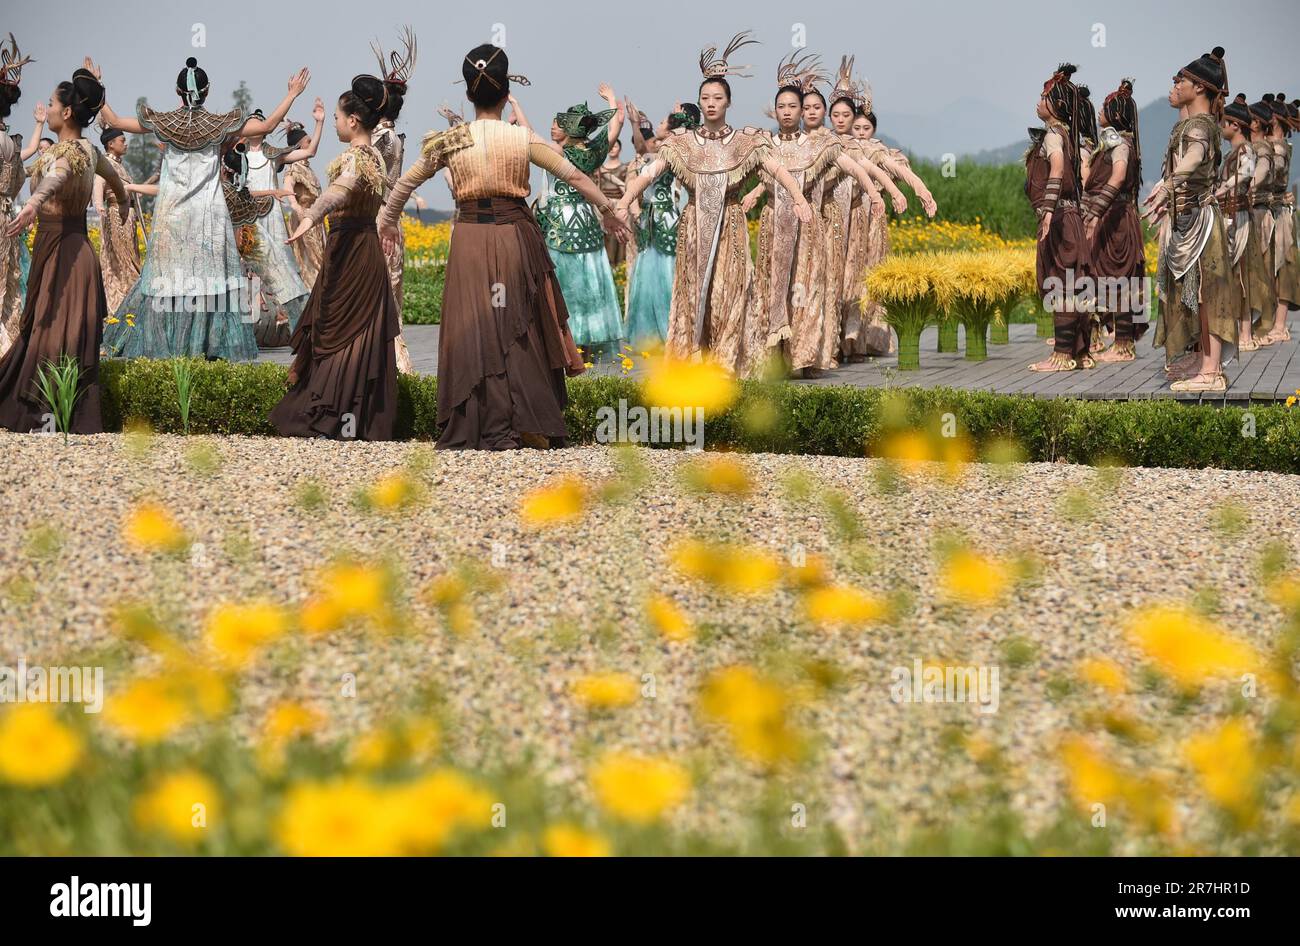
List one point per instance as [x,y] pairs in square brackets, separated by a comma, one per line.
[397,67]
[714,66]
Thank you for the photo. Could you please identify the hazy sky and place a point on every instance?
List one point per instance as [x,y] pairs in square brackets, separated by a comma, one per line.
[919,57]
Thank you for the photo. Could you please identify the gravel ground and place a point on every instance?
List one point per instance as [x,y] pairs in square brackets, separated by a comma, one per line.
[571,600]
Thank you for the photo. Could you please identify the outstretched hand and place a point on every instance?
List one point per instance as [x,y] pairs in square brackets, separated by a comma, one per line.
[21,221]
[388,239]
[89,65]
[304,226]
[318,111]
[298,81]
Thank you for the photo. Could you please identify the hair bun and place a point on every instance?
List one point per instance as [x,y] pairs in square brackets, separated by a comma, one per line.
[1268,97]
[1217,52]
[1067,69]
[1241,98]
[191,63]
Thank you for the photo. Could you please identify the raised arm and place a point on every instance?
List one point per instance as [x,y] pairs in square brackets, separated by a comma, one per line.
[309,149]
[517,116]
[615,127]
[637,187]
[34,145]
[253,127]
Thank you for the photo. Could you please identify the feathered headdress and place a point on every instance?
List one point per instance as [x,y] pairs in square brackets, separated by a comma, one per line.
[12,61]
[714,66]
[397,67]
[800,72]
[845,87]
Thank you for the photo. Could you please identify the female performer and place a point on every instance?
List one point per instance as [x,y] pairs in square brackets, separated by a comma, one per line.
[1286,265]
[119,249]
[1194,265]
[304,187]
[505,347]
[715,307]
[1052,185]
[65,308]
[1233,195]
[13,250]
[190,299]
[1111,224]
[573,233]
[650,288]
[343,381]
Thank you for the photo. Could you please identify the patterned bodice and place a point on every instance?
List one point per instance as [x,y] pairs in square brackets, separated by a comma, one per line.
[660,214]
[568,221]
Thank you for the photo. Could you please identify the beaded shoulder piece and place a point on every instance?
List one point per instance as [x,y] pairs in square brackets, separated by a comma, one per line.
[190,129]
[366,164]
[244,207]
[76,156]
[437,145]
[688,158]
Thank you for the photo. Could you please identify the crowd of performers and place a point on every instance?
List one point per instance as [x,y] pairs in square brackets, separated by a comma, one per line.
[529,293]
[1227,272]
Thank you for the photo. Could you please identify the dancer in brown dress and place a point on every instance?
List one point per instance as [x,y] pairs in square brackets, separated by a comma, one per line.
[1198,310]
[1052,184]
[119,249]
[343,382]
[304,187]
[505,346]
[1111,224]
[65,309]
[1233,195]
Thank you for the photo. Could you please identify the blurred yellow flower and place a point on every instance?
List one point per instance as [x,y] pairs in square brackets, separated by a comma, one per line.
[345,817]
[181,805]
[288,719]
[910,449]
[1104,673]
[236,632]
[36,749]
[840,605]
[566,840]
[718,474]
[149,710]
[606,690]
[668,619]
[151,528]
[756,712]
[742,569]
[561,502]
[349,591]
[394,491]
[428,810]
[1226,760]
[396,742]
[639,789]
[677,383]
[971,578]
[1093,780]
[1189,647]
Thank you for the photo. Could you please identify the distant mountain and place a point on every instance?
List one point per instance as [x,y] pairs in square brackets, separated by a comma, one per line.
[965,126]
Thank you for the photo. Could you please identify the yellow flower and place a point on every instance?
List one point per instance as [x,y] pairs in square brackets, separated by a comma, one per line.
[235,633]
[1104,673]
[973,579]
[721,474]
[1290,400]
[675,383]
[288,720]
[348,591]
[181,805]
[755,711]
[910,449]
[149,710]
[1092,779]
[345,817]
[566,840]
[36,749]
[413,740]
[111,320]
[151,528]
[639,789]
[844,606]
[563,502]
[1188,647]
[1226,760]
[394,491]
[738,569]
[605,690]
[668,619]
[427,811]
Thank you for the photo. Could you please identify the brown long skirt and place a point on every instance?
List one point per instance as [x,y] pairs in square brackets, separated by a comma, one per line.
[343,354]
[505,346]
[64,315]
[1117,253]
[1062,261]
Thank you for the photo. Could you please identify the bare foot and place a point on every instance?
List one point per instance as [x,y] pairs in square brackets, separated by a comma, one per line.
[1204,381]
[1057,362]
[1116,353]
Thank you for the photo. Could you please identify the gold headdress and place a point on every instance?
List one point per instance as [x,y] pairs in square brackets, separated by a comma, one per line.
[397,67]
[847,87]
[12,61]
[714,66]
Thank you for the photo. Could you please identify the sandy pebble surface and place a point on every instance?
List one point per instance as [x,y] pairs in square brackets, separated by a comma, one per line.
[571,600]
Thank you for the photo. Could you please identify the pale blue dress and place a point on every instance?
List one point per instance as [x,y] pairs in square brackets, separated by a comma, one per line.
[274,262]
[192,298]
[576,243]
[650,293]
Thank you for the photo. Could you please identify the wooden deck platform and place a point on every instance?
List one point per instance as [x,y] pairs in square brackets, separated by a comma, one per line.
[1270,374]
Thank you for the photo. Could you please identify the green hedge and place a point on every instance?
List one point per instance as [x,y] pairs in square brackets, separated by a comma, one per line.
[829,420]
[422,293]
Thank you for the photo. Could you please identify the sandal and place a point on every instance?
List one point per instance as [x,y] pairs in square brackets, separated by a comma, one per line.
[1120,351]
[1202,383]
[1248,343]
[1184,366]
[1274,337]
[1087,362]
[1057,362]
